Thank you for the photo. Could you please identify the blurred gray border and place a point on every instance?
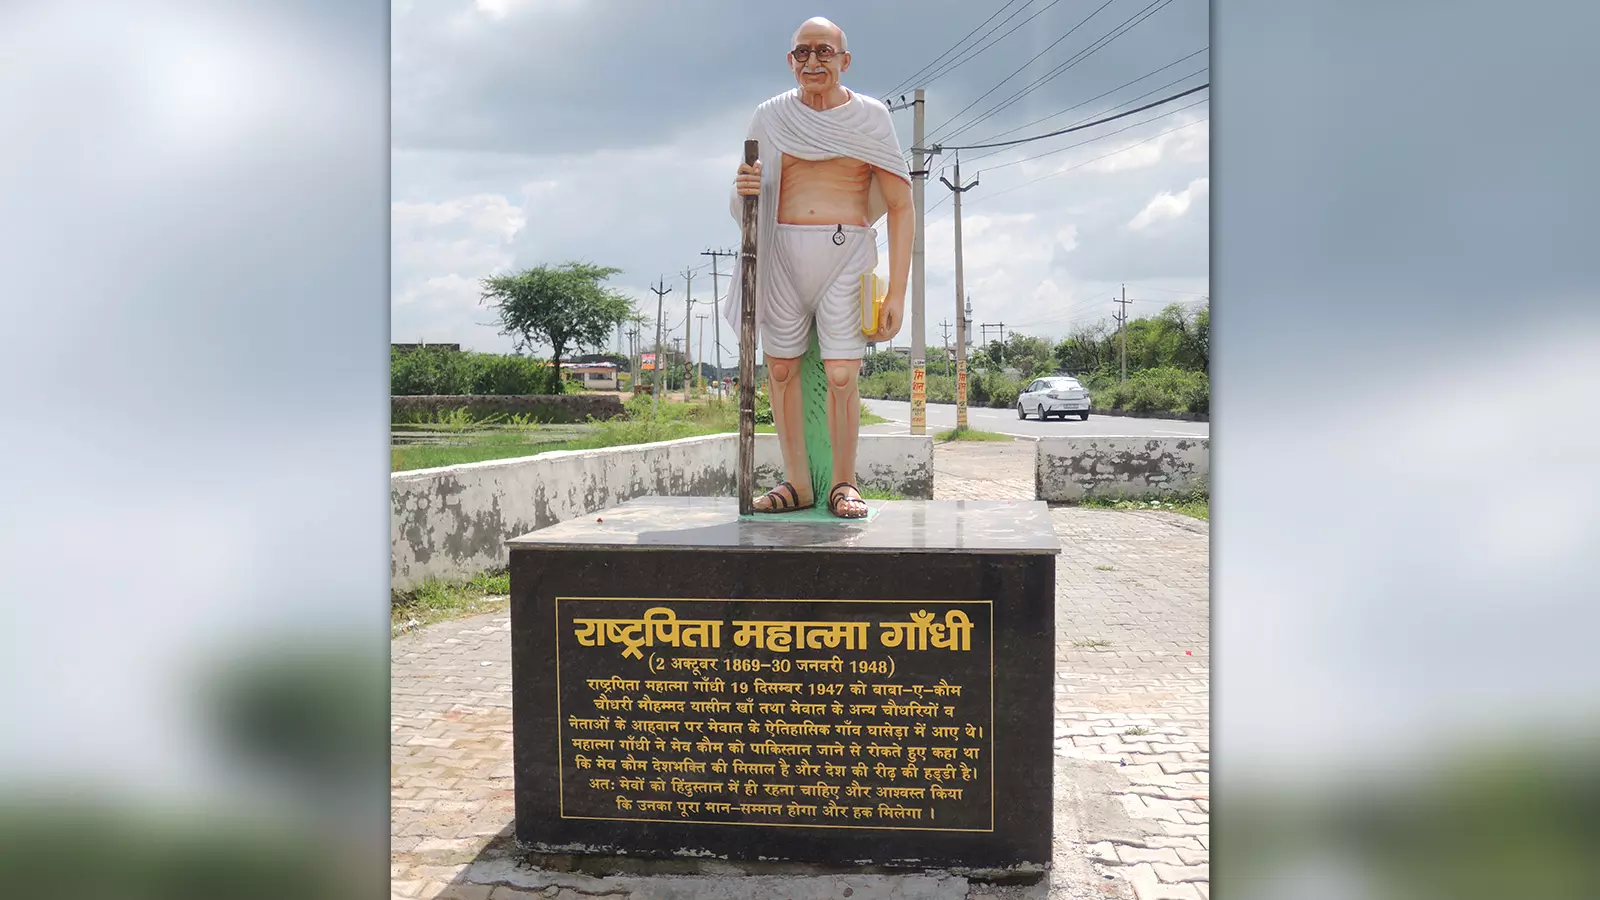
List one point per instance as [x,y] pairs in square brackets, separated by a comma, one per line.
[1406,309]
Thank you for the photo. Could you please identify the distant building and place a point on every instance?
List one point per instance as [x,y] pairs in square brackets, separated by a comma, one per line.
[596,376]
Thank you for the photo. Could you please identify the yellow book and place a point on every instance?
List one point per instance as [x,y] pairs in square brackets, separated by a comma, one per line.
[874,291]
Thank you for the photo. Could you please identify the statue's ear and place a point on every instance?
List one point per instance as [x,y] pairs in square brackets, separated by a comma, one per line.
[844,64]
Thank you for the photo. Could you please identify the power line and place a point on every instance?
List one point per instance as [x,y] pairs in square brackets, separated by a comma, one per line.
[1104,41]
[1099,137]
[938,148]
[1096,159]
[1109,93]
[973,54]
[913,77]
[884,241]
[1151,287]
[1084,163]
[1070,307]
[1099,44]
[1030,62]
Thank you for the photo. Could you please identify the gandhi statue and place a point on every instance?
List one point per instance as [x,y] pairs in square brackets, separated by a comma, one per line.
[831,167]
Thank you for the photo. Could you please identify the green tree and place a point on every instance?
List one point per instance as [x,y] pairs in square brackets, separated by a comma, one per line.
[1032,356]
[1088,349]
[884,361]
[562,306]
[1193,336]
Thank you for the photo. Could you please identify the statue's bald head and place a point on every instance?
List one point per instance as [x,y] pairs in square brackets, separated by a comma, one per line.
[816,24]
[817,74]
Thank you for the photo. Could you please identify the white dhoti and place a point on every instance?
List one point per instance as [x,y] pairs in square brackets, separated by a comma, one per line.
[810,280]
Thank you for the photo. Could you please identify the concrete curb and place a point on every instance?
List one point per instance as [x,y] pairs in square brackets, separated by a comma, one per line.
[452,522]
[1067,469]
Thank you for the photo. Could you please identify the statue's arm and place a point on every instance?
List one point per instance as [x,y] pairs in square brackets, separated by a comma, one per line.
[902,222]
[735,198]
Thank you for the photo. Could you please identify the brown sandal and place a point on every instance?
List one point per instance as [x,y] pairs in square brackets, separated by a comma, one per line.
[778,502]
[834,501]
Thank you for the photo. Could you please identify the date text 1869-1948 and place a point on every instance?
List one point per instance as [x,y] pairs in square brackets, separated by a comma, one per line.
[825,714]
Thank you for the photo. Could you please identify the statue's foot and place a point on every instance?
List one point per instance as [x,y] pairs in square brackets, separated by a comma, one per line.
[845,501]
[783,498]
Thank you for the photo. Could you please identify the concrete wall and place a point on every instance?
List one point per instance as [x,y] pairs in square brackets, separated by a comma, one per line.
[452,522]
[1071,468]
[901,463]
[547,408]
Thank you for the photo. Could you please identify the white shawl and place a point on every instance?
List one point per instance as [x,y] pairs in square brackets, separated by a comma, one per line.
[859,129]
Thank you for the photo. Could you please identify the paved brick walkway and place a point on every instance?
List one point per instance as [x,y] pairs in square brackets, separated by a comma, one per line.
[1132,733]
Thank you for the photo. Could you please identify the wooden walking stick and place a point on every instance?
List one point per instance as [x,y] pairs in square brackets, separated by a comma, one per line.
[747,345]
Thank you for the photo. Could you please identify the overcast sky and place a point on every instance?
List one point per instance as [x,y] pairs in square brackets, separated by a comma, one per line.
[539,131]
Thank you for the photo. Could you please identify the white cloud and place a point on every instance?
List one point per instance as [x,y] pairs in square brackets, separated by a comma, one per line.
[1186,145]
[1171,206]
[1067,238]
[440,252]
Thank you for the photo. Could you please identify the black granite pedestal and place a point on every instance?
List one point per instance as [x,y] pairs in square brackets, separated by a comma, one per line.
[690,683]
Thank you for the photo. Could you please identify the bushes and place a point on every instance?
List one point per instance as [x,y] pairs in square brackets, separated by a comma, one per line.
[887,386]
[884,361]
[1160,390]
[983,388]
[508,375]
[992,389]
[430,371]
[1164,389]
[426,371]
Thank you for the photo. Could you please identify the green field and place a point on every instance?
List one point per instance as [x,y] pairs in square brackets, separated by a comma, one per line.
[453,441]
[1195,504]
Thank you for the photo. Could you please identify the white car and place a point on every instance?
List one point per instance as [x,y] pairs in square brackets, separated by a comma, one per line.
[1057,395]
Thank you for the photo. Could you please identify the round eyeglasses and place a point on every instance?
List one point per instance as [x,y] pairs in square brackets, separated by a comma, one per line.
[822,51]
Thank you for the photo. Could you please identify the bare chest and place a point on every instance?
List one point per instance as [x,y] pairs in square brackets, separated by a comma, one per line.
[839,176]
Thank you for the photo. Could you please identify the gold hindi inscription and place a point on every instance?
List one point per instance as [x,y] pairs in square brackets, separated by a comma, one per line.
[832,714]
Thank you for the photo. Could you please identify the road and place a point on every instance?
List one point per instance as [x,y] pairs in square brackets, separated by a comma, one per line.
[1005,421]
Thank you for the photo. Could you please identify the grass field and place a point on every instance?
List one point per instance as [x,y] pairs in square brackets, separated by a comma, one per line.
[970,434]
[643,424]
[1195,504]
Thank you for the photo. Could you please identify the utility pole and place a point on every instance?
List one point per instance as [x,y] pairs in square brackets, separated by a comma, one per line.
[944,327]
[961,291]
[633,358]
[1002,326]
[1122,330]
[661,291]
[716,313]
[919,350]
[699,358]
[688,322]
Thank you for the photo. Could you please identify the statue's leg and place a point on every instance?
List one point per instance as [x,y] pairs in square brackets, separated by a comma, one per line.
[844,427]
[842,346]
[788,419]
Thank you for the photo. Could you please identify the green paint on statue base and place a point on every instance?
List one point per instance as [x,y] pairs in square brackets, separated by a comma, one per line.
[819,443]
[814,409]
